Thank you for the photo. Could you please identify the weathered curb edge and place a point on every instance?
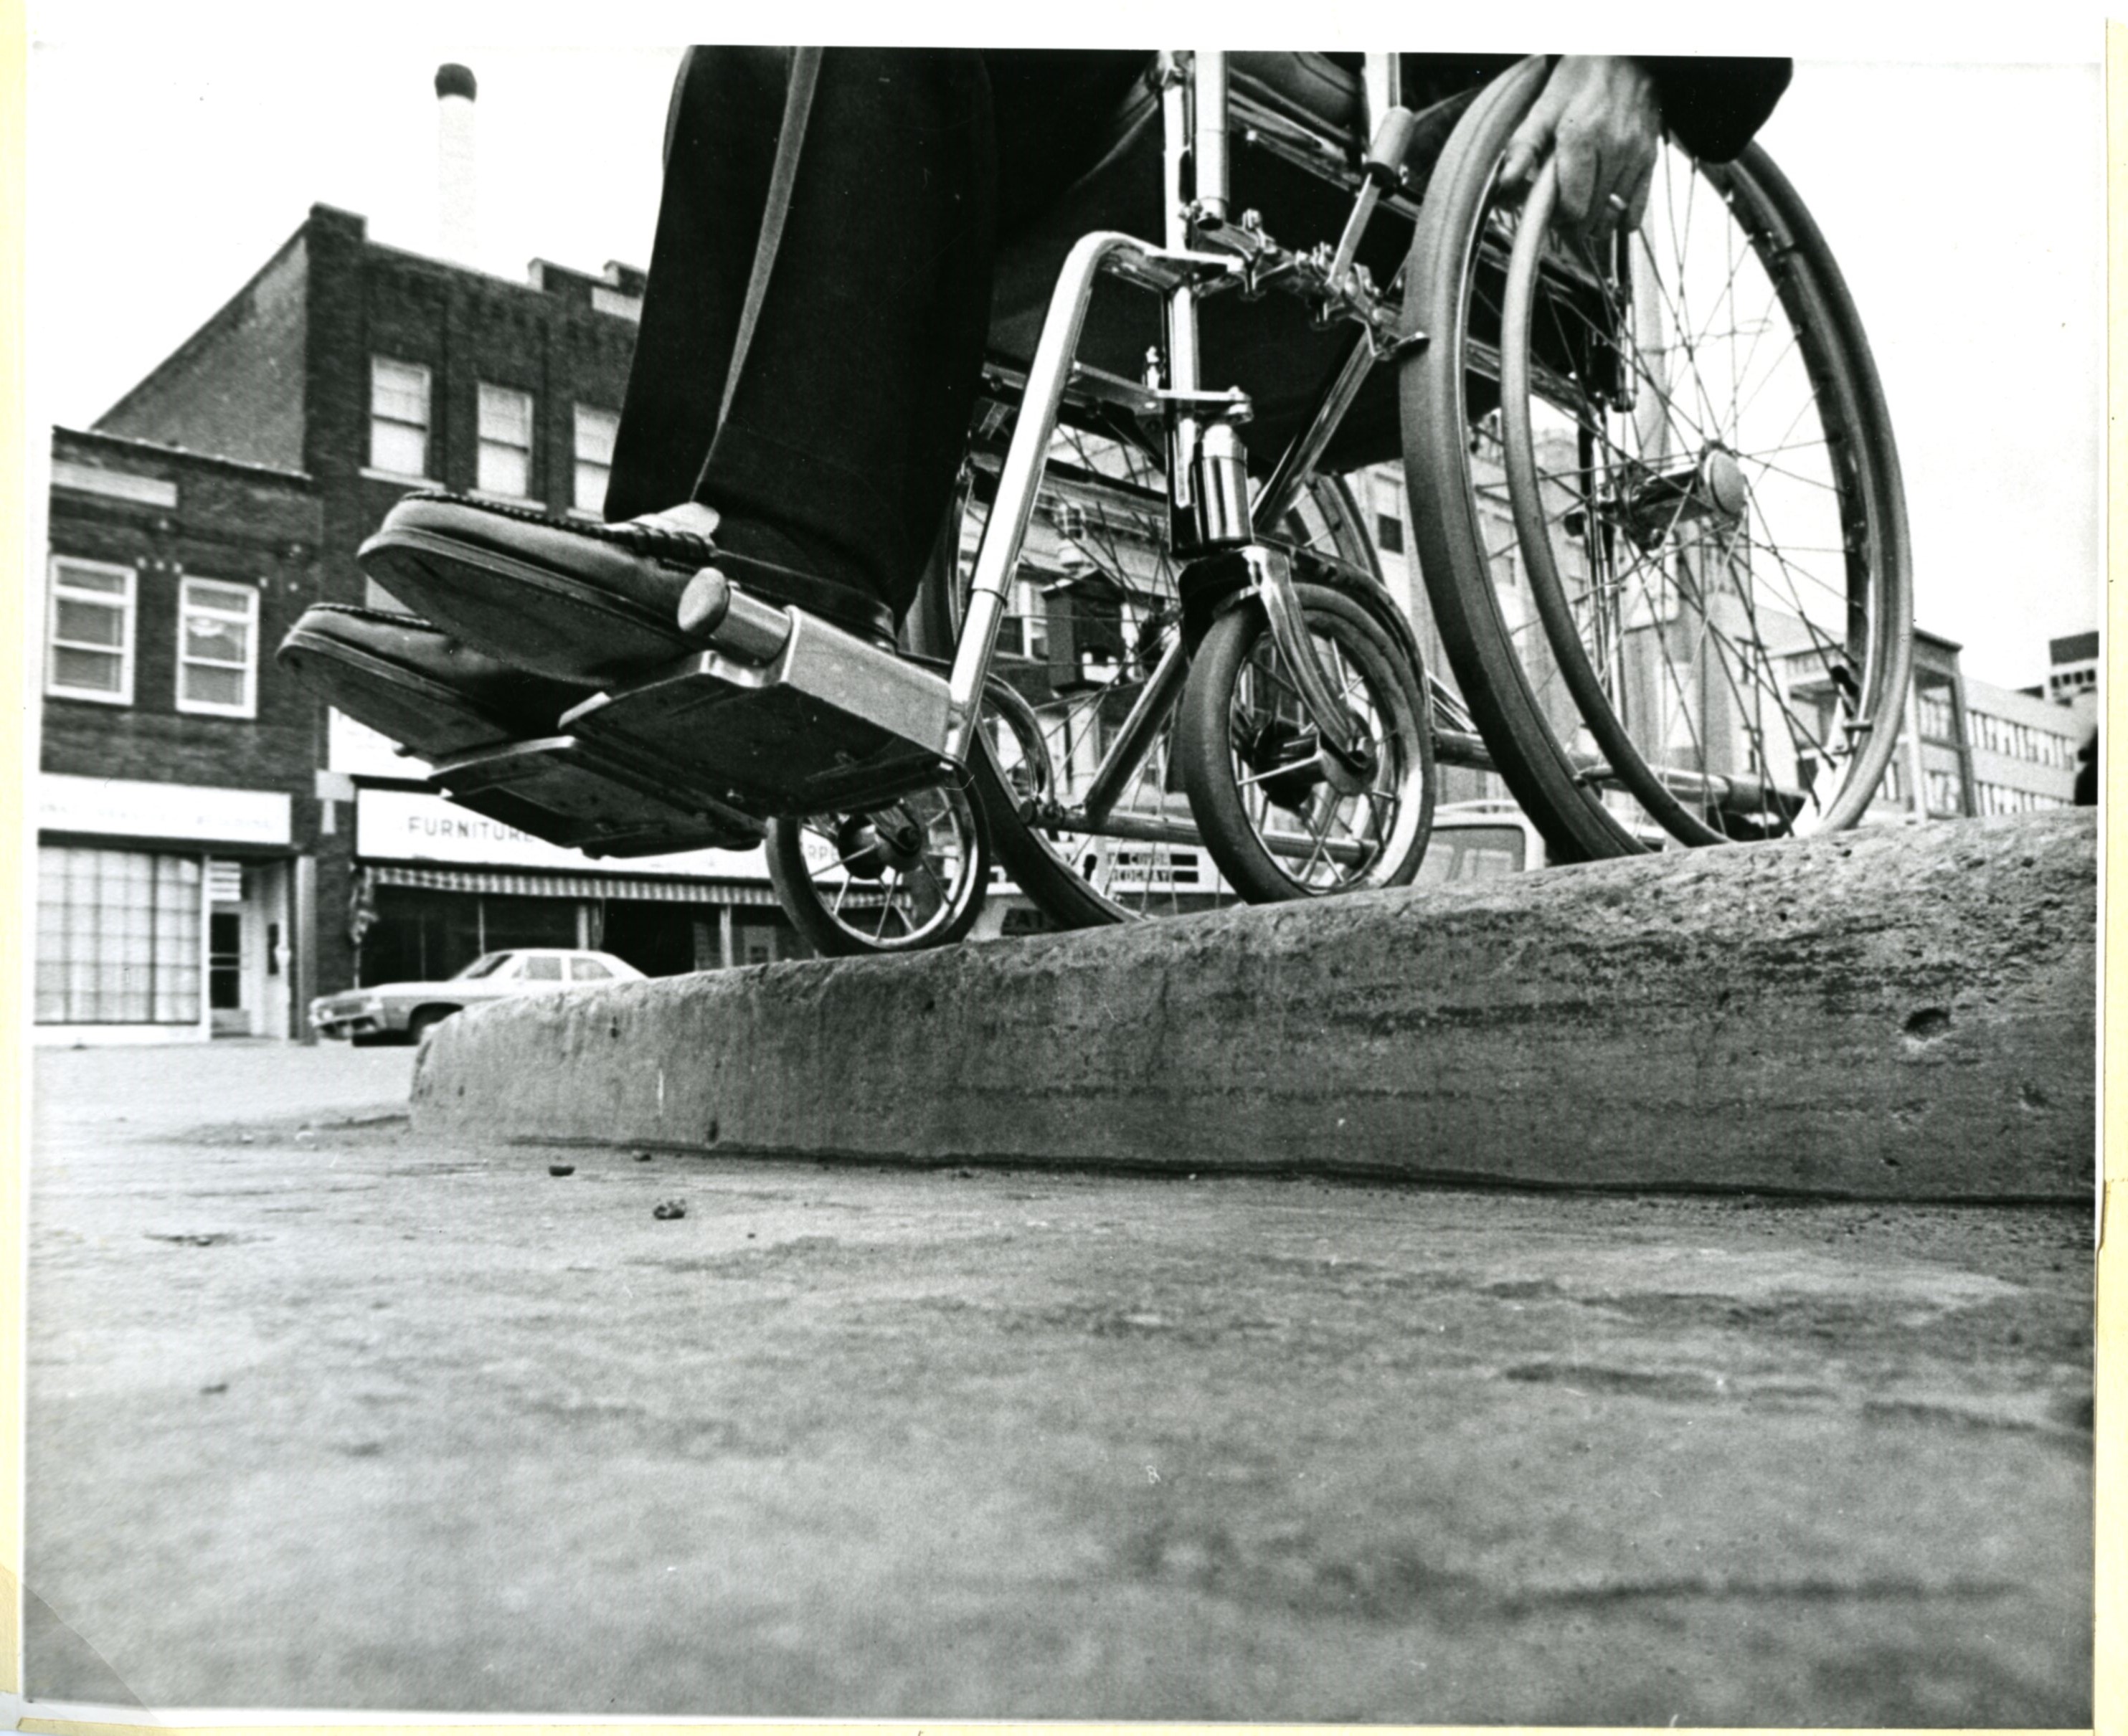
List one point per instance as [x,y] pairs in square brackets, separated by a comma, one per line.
[1893,1014]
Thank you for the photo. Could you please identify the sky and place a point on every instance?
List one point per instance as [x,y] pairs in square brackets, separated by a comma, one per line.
[1958,178]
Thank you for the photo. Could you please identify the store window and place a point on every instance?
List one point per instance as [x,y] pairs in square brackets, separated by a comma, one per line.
[505,442]
[595,429]
[217,648]
[89,632]
[419,934]
[118,937]
[399,418]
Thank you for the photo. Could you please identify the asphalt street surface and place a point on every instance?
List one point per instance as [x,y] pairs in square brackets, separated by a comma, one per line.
[323,1416]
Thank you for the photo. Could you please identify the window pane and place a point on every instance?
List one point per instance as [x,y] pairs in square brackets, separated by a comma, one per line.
[88,623]
[543,970]
[118,937]
[209,684]
[402,450]
[502,471]
[505,416]
[212,639]
[595,432]
[591,486]
[230,599]
[400,391]
[588,971]
[97,671]
[82,578]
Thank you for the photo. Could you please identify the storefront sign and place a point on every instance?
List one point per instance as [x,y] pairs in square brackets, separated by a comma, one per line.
[128,808]
[411,825]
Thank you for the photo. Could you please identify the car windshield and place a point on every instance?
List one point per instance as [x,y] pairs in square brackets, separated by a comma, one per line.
[486,965]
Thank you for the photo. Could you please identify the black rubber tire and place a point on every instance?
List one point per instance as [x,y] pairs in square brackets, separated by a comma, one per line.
[1860,630]
[422,1023]
[1205,753]
[819,917]
[1452,547]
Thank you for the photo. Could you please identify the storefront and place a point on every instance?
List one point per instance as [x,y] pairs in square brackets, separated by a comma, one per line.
[165,911]
[435,886]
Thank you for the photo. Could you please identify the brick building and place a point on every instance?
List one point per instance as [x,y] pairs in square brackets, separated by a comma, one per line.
[177,833]
[343,374]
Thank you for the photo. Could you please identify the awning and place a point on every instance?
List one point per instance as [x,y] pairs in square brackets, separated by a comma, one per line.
[522,882]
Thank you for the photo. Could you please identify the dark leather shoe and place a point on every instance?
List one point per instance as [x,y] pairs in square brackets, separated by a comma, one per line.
[410,681]
[570,599]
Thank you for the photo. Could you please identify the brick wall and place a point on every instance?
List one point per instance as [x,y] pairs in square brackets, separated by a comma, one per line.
[235,387]
[465,327]
[239,527]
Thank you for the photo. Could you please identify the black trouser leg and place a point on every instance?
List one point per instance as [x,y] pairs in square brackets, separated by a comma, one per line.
[852,403]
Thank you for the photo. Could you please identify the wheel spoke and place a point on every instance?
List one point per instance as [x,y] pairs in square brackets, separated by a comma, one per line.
[1648,560]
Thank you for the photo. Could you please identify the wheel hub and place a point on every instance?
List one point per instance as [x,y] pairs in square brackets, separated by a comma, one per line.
[1709,489]
[1283,750]
[1275,753]
[871,844]
[1356,776]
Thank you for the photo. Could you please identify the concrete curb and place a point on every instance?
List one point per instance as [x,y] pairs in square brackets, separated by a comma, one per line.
[1893,1014]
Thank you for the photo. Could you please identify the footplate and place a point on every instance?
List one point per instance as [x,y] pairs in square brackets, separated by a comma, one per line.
[575,795]
[826,722]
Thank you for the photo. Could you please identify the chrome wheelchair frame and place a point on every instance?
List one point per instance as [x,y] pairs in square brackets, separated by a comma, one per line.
[781,714]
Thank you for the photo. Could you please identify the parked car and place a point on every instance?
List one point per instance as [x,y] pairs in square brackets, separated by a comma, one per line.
[1475,841]
[401,1011]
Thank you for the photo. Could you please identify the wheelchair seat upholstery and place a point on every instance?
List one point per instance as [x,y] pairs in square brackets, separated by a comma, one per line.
[1319,91]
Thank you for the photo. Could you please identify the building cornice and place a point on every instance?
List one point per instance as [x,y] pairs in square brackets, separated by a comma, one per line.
[129,443]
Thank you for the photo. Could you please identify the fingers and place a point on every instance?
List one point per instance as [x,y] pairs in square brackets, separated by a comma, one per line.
[1598,116]
[1532,139]
[1637,201]
[1581,178]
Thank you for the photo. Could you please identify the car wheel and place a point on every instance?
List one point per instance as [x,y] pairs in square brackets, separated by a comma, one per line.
[425,1021]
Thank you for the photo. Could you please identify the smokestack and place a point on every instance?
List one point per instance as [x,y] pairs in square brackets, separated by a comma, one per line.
[458,234]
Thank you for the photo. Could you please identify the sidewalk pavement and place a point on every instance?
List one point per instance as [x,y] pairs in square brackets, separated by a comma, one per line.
[338,1416]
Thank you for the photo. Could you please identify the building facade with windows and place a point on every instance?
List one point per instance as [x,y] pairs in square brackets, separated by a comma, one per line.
[342,375]
[2023,748]
[178,836]
[1971,747]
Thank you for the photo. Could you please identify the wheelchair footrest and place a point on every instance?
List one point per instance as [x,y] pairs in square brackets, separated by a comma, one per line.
[573,794]
[829,721]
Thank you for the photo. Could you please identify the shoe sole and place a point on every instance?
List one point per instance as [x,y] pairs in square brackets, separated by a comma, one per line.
[528,615]
[425,718]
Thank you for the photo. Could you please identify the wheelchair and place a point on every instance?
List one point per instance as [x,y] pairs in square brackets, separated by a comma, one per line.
[1155,665]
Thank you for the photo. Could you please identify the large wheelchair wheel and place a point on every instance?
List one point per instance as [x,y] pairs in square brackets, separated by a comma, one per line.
[1282,816]
[1086,809]
[1659,508]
